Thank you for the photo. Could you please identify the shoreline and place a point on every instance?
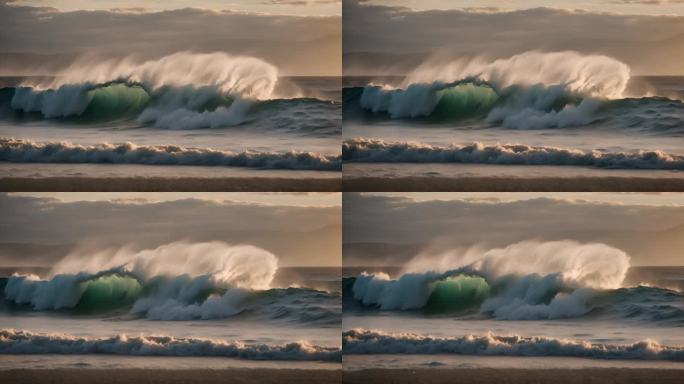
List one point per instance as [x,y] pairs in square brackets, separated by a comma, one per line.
[161,376]
[367,376]
[512,184]
[513,376]
[169,184]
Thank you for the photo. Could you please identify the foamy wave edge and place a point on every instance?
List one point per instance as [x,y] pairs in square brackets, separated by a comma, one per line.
[363,150]
[27,151]
[362,341]
[24,342]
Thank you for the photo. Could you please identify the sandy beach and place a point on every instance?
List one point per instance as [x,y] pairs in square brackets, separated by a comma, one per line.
[158,184]
[205,376]
[512,376]
[513,184]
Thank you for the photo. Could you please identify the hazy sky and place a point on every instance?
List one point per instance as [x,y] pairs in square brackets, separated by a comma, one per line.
[304,42]
[642,7]
[39,229]
[379,37]
[279,7]
[393,228]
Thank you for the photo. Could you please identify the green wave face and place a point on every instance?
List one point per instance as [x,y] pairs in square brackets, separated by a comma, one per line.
[457,293]
[464,101]
[116,100]
[108,292]
[200,99]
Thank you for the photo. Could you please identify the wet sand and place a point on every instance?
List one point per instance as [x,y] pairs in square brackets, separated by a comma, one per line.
[163,184]
[512,184]
[513,376]
[153,376]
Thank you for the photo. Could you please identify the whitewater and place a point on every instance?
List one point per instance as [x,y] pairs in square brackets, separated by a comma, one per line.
[532,298]
[185,299]
[533,108]
[217,108]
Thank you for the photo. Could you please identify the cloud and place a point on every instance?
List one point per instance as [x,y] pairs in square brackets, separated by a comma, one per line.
[297,45]
[297,235]
[301,2]
[129,10]
[484,9]
[377,228]
[376,38]
[649,2]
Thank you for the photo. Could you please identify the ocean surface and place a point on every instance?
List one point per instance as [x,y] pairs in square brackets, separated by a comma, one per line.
[580,113]
[588,317]
[192,110]
[120,319]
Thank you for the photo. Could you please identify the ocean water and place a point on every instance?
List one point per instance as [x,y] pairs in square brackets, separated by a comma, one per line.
[592,316]
[579,112]
[184,109]
[115,318]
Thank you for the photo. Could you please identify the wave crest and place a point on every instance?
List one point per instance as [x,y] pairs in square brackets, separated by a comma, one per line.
[24,342]
[591,75]
[27,151]
[242,76]
[177,281]
[532,90]
[178,271]
[361,341]
[181,91]
[526,280]
[363,150]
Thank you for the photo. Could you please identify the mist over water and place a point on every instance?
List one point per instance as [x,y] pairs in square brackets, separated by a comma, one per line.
[184,86]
